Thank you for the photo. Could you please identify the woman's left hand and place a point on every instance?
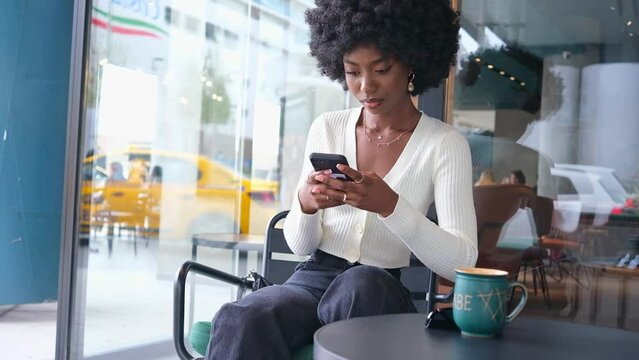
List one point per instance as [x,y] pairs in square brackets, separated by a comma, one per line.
[367,191]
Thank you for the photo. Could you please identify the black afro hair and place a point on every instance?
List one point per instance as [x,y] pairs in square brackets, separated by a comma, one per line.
[421,33]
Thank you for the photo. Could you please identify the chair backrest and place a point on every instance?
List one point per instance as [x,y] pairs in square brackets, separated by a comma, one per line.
[542,213]
[276,266]
[279,264]
[416,278]
[566,216]
[494,206]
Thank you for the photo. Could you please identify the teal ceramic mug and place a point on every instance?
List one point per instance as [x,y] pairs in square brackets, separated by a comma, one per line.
[480,301]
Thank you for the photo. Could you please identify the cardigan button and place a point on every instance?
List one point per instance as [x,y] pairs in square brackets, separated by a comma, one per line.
[359,228]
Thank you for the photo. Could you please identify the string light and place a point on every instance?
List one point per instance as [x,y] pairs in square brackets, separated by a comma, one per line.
[501,72]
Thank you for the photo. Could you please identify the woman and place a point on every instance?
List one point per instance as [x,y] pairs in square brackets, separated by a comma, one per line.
[360,233]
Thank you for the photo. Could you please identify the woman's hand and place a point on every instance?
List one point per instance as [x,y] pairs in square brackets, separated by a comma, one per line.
[367,191]
[315,195]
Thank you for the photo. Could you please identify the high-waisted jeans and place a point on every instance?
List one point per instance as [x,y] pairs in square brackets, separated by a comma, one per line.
[276,321]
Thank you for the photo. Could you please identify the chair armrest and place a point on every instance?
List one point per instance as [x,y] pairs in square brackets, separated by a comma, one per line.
[445,298]
[179,291]
[432,297]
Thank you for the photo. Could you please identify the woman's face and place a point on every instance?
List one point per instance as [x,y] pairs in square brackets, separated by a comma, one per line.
[378,82]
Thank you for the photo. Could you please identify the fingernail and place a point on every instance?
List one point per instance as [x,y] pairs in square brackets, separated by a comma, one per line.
[328,172]
[341,166]
[315,190]
[320,178]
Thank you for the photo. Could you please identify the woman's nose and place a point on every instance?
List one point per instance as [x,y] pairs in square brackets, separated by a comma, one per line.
[368,84]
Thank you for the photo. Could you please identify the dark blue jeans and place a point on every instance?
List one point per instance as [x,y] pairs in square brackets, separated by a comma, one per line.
[275,321]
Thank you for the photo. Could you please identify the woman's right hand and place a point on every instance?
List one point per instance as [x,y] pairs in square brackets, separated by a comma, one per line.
[314,195]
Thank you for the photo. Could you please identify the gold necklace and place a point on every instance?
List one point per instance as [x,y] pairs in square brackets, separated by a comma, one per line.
[379,136]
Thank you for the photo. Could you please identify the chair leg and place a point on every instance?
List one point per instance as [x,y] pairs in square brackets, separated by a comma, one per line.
[561,270]
[534,276]
[556,259]
[544,285]
[557,273]
[578,269]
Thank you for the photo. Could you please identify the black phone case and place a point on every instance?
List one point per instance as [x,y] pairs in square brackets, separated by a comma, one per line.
[322,161]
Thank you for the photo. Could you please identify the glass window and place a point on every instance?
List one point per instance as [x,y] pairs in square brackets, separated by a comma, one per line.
[564,186]
[178,170]
[196,117]
[550,88]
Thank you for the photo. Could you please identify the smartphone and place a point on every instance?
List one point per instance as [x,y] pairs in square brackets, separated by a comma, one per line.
[323,161]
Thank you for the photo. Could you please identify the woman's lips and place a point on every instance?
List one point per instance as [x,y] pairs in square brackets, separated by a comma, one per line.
[372,103]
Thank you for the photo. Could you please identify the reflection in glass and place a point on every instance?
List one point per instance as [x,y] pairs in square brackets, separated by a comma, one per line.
[550,88]
[196,114]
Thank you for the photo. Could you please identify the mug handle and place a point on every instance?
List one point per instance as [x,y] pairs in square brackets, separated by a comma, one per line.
[522,301]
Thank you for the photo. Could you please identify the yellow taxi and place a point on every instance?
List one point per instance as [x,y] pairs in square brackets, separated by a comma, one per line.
[172,194]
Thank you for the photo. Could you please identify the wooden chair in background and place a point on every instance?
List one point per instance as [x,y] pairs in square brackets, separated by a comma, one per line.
[494,206]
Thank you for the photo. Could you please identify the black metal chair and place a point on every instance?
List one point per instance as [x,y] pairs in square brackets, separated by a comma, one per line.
[417,278]
[534,256]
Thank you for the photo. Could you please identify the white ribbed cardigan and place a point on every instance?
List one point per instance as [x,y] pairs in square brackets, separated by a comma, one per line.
[434,166]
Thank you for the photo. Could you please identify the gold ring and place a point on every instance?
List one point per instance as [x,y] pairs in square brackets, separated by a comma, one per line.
[344,198]
[360,180]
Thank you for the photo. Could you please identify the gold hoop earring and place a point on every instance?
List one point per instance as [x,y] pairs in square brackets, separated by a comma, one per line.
[411,86]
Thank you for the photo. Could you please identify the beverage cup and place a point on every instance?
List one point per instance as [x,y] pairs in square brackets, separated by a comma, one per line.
[480,301]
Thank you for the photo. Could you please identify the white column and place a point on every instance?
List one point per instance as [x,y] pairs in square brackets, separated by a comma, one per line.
[609,118]
[558,129]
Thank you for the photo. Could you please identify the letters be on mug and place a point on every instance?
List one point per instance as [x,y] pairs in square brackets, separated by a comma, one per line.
[462,302]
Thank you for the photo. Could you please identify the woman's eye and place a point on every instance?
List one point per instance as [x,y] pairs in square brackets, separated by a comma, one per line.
[384,70]
[352,72]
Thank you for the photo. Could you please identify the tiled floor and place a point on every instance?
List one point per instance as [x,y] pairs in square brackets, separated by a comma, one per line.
[129,302]
[28,331]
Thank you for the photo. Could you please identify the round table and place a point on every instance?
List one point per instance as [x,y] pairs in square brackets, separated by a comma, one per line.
[403,336]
